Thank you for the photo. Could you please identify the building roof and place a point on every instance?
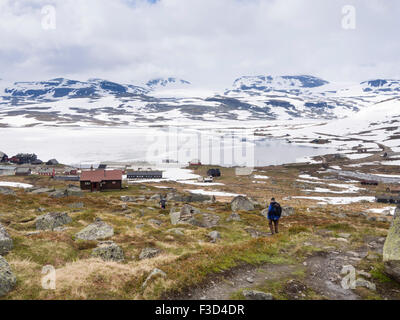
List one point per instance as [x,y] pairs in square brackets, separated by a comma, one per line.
[101,175]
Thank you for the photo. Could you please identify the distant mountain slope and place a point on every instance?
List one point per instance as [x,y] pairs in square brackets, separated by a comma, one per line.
[61,102]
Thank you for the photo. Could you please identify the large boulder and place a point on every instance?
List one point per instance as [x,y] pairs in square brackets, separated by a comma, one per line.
[52,220]
[391,250]
[193,216]
[109,251]
[241,203]
[7,191]
[96,231]
[6,243]
[7,278]
[184,215]
[73,191]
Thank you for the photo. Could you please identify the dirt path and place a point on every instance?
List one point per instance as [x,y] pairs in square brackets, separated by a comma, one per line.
[322,275]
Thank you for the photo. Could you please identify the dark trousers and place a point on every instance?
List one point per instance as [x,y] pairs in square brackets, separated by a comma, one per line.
[272,224]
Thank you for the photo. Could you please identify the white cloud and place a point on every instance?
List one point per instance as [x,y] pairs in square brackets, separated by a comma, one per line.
[205,41]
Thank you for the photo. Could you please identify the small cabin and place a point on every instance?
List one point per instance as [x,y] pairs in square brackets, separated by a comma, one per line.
[144,174]
[101,180]
[46,172]
[7,170]
[369,183]
[23,172]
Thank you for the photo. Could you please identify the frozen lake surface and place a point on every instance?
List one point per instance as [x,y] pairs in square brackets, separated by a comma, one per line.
[77,145]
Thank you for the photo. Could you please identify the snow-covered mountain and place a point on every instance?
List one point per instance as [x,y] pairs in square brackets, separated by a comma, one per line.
[64,102]
[169,83]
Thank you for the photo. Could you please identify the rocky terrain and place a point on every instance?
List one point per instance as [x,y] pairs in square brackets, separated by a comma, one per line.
[212,242]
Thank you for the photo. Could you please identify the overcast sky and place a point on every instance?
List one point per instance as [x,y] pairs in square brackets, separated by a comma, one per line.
[208,42]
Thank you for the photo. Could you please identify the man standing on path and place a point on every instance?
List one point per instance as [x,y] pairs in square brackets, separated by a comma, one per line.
[274,214]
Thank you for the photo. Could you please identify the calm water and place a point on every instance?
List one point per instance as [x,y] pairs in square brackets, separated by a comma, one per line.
[93,145]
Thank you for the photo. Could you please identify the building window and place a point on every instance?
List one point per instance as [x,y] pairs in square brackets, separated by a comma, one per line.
[87,183]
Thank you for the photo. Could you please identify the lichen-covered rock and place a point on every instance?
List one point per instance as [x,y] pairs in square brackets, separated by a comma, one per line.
[128,199]
[241,203]
[7,278]
[184,215]
[205,220]
[193,216]
[6,243]
[149,253]
[52,220]
[96,231]
[257,295]
[109,251]
[391,250]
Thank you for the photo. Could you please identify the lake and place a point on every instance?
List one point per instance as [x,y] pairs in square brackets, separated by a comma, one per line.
[77,145]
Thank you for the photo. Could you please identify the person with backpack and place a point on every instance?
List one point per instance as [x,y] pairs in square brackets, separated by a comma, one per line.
[163,203]
[274,214]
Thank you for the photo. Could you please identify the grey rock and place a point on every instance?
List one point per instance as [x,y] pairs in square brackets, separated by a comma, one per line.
[40,190]
[287,211]
[254,233]
[366,284]
[250,280]
[7,278]
[128,199]
[154,274]
[95,231]
[149,253]
[177,231]
[109,251]
[344,235]
[6,243]
[156,222]
[73,191]
[214,236]
[241,203]
[234,217]
[52,220]
[57,194]
[191,215]
[391,250]
[257,295]
[7,191]
[156,197]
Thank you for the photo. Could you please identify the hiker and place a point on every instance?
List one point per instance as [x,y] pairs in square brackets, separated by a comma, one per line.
[274,214]
[163,203]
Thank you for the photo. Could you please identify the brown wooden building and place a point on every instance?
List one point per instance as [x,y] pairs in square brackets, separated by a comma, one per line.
[100,180]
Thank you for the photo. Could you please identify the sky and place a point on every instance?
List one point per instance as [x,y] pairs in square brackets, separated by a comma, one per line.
[207,42]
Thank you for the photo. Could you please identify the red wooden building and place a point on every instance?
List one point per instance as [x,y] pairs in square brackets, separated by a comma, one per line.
[100,180]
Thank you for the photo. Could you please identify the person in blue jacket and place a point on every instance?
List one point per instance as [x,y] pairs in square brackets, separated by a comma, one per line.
[274,214]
